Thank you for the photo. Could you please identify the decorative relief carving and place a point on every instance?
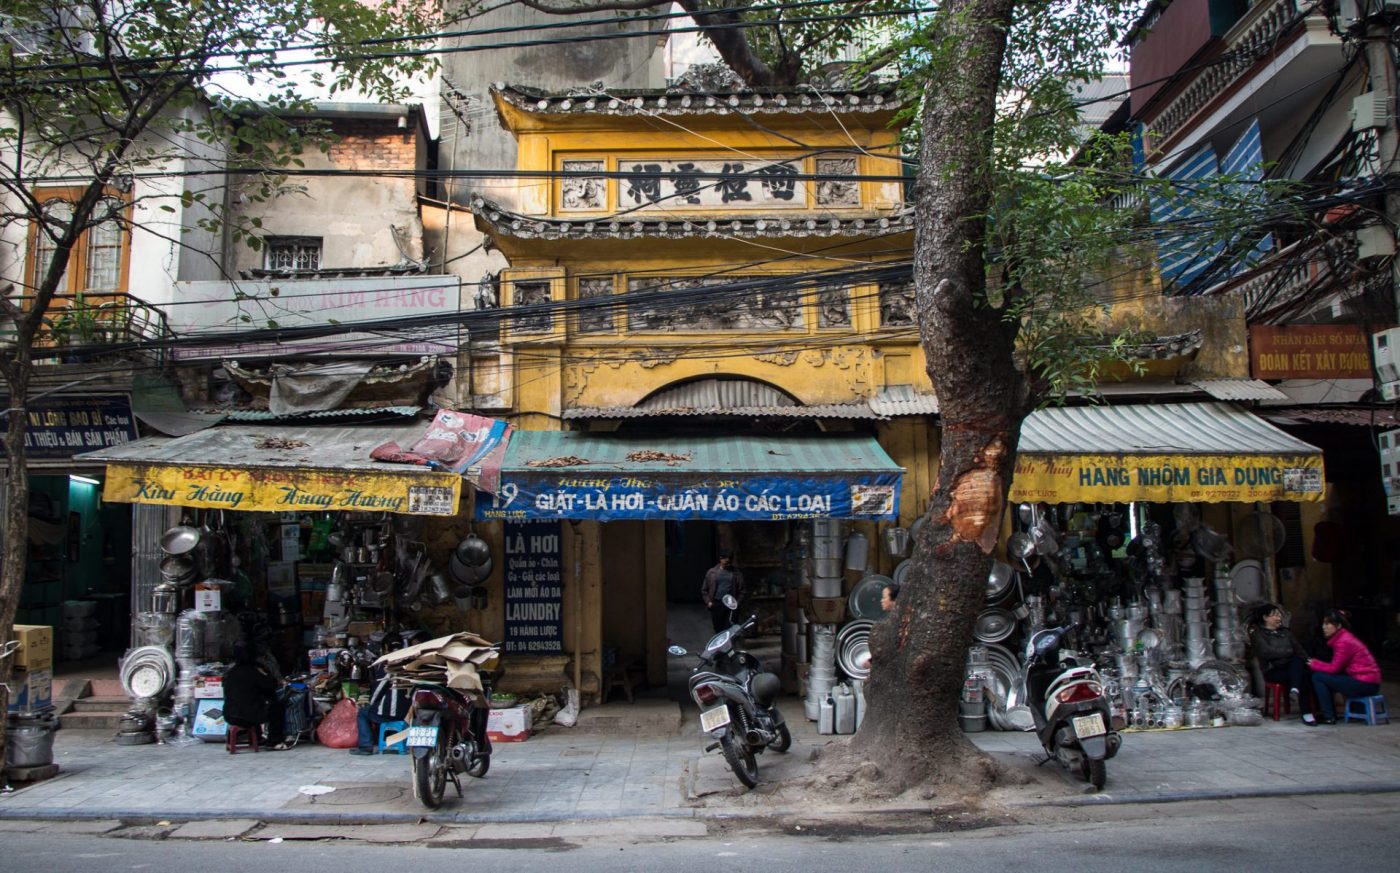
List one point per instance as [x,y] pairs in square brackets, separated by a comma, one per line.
[532,294]
[896,303]
[583,193]
[837,192]
[656,359]
[598,317]
[762,308]
[833,308]
[780,359]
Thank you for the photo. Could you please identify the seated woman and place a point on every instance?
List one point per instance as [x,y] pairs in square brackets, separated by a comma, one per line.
[1352,671]
[1281,657]
[251,698]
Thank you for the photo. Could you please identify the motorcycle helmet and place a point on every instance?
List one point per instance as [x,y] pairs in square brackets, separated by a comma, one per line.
[765,688]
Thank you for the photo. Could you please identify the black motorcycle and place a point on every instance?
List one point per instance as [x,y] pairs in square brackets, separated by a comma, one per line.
[736,698]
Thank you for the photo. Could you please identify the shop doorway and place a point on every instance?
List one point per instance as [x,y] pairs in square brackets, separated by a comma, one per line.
[691,550]
[77,575]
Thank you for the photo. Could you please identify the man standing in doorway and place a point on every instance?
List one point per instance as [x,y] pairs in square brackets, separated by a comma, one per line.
[722,579]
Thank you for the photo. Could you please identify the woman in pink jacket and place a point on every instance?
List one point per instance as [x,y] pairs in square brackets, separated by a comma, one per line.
[1352,670]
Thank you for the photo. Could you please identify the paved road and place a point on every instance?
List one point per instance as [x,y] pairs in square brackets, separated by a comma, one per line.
[1308,834]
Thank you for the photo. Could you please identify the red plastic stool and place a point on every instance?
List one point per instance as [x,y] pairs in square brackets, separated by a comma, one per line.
[1276,699]
[235,733]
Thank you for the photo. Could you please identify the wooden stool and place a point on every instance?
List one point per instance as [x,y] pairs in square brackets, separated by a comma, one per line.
[622,675]
[1276,698]
[235,733]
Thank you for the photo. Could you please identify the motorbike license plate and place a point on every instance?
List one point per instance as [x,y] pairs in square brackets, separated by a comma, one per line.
[713,719]
[1090,725]
[421,736]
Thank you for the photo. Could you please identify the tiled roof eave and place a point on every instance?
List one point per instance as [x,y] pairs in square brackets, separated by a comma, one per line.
[506,223]
[681,103]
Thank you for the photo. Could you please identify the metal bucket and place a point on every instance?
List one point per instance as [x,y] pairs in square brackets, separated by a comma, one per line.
[826,586]
[29,743]
[857,552]
[825,568]
[972,724]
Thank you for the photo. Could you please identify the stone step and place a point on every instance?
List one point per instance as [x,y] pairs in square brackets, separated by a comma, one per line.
[102,704]
[94,721]
[106,687]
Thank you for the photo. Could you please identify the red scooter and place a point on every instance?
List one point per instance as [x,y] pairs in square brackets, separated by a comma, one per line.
[446,736]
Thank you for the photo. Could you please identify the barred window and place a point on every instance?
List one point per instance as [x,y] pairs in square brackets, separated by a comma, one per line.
[293,253]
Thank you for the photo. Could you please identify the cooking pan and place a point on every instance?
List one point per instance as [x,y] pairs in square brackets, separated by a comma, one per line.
[180,540]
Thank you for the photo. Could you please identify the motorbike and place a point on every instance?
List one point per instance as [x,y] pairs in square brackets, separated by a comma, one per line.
[446,737]
[736,698]
[1066,698]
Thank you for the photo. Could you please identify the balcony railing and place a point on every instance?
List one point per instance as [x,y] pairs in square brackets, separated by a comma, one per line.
[1253,38]
[94,321]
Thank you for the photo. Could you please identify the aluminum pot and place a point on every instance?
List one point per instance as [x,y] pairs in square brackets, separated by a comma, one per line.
[165,599]
[994,625]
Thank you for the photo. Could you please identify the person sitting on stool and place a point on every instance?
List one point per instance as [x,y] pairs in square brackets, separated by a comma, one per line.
[252,698]
[1352,671]
[387,703]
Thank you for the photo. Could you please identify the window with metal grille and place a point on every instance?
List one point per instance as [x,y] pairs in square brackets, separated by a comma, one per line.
[293,253]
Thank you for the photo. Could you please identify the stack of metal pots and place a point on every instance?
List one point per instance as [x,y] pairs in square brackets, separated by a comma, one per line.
[821,677]
[1197,620]
[1229,643]
[824,566]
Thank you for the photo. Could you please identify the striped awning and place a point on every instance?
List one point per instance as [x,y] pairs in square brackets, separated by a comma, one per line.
[1166,452]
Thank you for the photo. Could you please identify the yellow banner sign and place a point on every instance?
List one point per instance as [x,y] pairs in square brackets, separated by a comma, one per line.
[1167,478]
[408,491]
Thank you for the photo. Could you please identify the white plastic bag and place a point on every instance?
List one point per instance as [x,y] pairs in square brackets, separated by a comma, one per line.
[568,716]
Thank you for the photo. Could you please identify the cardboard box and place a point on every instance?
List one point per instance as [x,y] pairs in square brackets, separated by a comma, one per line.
[35,650]
[827,610]
[31,690]
[508,725]
[208,598]
[209,686]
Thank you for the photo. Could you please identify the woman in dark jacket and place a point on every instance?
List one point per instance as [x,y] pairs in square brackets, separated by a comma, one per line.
[252,699]
[1281,658]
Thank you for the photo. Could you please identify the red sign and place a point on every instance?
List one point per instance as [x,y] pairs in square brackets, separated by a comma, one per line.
[1309,351]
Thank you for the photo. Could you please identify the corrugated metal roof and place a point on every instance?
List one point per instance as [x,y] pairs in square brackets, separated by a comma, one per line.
[1162,428]
[1239,389]
[1321,415]
[833,410]
[326,448]
[743,397]
[895,400]
[738,454]
[257,415]
[719,392]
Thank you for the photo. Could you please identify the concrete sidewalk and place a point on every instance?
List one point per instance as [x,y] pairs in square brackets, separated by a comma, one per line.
[561,777]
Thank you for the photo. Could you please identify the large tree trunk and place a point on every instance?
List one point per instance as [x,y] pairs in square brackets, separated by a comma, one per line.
[918,657]
[16,509]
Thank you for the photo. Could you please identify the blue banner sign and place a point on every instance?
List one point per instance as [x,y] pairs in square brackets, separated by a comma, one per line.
[534,577]
[871,497]
[61,427]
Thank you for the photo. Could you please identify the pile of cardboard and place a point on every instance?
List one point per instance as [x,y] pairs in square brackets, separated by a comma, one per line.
[454,660]
[31,683]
